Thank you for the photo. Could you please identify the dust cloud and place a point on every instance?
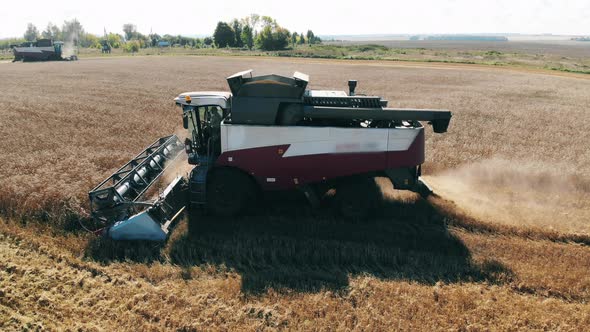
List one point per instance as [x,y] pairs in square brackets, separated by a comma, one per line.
[69,47]
[180,165]
[537,194]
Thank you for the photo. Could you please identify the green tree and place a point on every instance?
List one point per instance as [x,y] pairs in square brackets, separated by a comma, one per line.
[144,41]
[281,37]
[185,41]
[269,21]
[310,37]
[254,19]
[271,39]
[51,32]
[31,33]
[224,35]
[57,33]
[301,39]
[264,39]
[154,39]
[294,39]
[72,31]
[132,46]
[90,40]
[130,31]
[247,37]
[237,27]
[114,40]
[208,41]
[6,43]
[170,39]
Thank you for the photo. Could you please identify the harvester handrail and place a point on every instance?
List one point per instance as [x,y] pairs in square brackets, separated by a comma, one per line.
[140,159]
[128,184]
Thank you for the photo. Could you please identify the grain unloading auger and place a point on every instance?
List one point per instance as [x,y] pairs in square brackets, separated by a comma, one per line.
[271,133]
[121,201]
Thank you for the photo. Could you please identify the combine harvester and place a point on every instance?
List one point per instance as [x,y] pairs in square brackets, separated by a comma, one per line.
[270,133]
[41,50]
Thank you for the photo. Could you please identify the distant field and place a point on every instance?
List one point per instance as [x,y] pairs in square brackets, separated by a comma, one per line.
[505,247]
[567,48]
[559,54]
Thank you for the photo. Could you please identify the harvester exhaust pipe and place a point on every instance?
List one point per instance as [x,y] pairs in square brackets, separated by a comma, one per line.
[351,87]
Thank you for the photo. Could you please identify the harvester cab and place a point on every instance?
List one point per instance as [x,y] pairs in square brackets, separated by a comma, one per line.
[270,133]
[57,47]
[202,116]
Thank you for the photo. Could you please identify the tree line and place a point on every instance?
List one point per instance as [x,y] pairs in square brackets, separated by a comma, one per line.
[132,40]
[73,31]
[253,31]
[262,32]
[70,31]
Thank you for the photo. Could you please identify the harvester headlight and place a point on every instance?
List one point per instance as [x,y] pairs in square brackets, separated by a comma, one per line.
[187,98]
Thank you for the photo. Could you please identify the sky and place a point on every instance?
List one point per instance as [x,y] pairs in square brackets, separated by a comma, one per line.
[344,17]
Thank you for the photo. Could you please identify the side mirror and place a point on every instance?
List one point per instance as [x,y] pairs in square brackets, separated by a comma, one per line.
[184,121]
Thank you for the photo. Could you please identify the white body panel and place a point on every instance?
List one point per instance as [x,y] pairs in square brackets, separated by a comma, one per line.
[205,98]
[317,140]
[34,49]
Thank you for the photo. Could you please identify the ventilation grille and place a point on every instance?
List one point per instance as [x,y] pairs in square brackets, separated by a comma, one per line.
[349,101]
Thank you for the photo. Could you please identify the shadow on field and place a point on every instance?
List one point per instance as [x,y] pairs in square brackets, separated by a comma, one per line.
[286,246]
[105,250]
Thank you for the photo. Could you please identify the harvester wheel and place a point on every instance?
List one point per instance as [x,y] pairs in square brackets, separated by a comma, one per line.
[229,192]
[357,199]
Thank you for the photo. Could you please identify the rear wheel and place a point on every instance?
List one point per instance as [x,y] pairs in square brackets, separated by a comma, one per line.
[229,192]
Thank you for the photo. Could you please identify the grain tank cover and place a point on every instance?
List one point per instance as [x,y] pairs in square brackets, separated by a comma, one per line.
[257,100]
[243,84]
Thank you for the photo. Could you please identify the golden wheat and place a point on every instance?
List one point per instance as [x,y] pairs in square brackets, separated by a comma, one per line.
[503,255]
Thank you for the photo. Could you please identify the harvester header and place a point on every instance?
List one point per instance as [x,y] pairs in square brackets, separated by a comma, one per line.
[122,195]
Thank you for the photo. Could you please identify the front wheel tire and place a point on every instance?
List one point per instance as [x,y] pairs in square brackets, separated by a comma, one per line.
[229,192]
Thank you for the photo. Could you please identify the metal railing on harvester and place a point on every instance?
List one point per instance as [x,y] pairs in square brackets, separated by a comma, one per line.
[119,196]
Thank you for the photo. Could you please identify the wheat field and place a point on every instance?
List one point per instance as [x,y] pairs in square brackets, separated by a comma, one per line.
[504,247]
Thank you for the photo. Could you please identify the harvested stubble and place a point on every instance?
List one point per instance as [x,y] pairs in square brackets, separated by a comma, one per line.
[66,126]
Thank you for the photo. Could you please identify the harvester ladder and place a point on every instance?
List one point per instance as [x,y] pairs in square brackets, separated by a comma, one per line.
[198,183]
[198,180]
